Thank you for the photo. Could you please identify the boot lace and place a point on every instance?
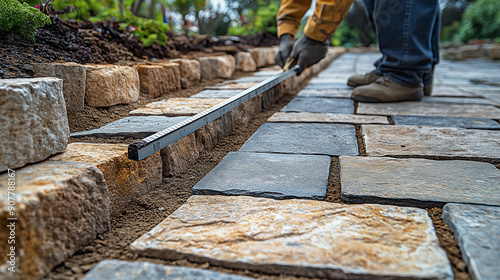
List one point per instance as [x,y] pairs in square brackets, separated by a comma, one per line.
[383,81]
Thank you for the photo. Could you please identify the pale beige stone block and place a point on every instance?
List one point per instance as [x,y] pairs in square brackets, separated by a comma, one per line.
[245,62]
[108,85]
[177,107]
[209,67]
[173,75]
[190,72]
[227,66]
[33,121]
[60,208]
[327,118]
[125,178]
[159,79]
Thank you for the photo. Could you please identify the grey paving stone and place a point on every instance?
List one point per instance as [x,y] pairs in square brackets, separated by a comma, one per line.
[275,176]
[418,182]
[140,270]
[217,93]
[326,93]
[456,100]
[135,127]
[328,86]
[438,121]
[443,90]
[320,105]
[327,118]
[304,138]
[301,237]
[409,140]
[429,109]
[477,230]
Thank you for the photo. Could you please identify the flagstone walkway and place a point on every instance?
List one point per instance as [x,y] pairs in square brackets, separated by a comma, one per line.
[262,207]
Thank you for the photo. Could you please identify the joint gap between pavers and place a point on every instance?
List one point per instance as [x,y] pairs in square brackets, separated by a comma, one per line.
[495,162]
[334,188]
[391,121]
[361,142]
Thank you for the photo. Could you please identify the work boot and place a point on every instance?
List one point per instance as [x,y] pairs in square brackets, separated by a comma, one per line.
[362,79]
[428,89]
[386,90]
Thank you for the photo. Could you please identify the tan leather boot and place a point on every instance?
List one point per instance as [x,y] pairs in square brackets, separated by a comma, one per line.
[386,90]
[363,79]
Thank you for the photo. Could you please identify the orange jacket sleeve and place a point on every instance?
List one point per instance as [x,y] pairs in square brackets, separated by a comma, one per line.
[321,25]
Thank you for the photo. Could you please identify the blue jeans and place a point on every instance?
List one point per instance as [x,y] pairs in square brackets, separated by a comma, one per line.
[407,32]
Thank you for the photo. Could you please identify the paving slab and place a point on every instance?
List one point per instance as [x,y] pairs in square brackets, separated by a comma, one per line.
[134,127]
[217,93]
[325,93]
[301,237]
[409,140]
[234,85]
[494,98]
[275,176]
[126,270]
[303,138]
[327,118]
[327,86]
[477,230]
[429,109]
[456,100]
[443,90]
[173,107]
[320,105]
[438,121]
[418,182]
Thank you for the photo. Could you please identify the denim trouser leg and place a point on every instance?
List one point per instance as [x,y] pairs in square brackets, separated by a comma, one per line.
[404,33]
[427,78]
[369,7]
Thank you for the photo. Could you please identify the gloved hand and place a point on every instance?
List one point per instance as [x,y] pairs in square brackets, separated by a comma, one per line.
[286,45]
[308,52]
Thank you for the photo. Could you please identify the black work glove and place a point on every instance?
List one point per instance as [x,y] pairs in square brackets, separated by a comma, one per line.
[308,52]
[284,50]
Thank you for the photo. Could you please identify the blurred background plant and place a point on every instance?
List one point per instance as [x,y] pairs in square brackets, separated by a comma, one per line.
[21,19]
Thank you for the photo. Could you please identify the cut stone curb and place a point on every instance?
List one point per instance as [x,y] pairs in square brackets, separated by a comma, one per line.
[326,118]
[216,93]
[320,105]
[190,74]
[327,93]
[140,270]
[477,231]
[245,62]
[268,175]
[409,140]
[438,121]
[33,121]
[303,138]
[125,178]
[73,76]
[418,182]
[159,79]
[133,127]
[429,109]
[263,56]
[60,208]
[301,237]
[177,107]
[217,67]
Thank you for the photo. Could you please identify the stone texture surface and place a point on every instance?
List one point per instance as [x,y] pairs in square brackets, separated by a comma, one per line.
[33,121]
[320,105]
[217,93]
[263,56]
[190,74]
[474,123]
[109,85]
[330,93]
[159,79]
[477,230]
[233,85]
[418,182]
[429,109]
[133,127]
[73,76]
[245,62]
[268,175]
[125,178]
[405,140]
[304,138]
[210,134]
[302,237]
[227,66]
[328,86]
[179,155]
[60,208]
[326,118]
[140,270]
[217,67]
[456,100]
[177,107]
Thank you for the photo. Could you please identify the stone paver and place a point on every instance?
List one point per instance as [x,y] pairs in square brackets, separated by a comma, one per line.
[477,230]
[418,182]
[408,140]
[304,138]
[327,118]
[140,270]
[327,93]
[33,121]
[177,107]
[217,93]
[320,105]
[268,175]
[328,86]
[302,237]
[134,127]
[456,100]
[429,109]
[442,90]
[234,85]
[60,207]
[438,121]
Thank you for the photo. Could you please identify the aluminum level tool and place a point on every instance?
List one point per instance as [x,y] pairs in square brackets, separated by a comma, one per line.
[141,149]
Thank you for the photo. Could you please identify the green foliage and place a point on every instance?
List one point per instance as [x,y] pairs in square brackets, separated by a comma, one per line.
[21,19]
[345,36]
[84,9]
[480,21]
[264,19]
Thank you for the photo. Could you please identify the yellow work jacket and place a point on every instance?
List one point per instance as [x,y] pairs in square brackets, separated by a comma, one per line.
[321,25]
